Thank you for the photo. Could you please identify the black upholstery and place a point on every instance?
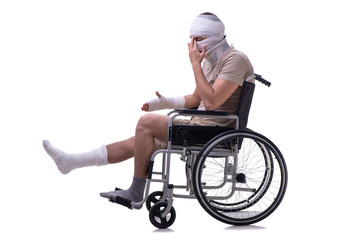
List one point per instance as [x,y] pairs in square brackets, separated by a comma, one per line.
[247,93]
[194,135]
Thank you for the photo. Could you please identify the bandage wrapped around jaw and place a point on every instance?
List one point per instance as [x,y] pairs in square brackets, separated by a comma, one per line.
[166,103]
[209,26]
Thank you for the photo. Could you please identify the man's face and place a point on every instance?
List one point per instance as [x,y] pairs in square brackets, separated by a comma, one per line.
[198,40]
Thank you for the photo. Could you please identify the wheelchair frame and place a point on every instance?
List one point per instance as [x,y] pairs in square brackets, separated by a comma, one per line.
[200,155]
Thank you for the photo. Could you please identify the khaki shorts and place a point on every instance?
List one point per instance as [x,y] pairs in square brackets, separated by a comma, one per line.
[195,121]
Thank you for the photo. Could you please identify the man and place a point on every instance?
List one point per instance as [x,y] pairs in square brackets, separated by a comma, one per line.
[218,87]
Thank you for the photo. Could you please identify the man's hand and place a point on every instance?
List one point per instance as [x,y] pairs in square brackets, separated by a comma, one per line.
[162,102]
[196,57]
[145,106]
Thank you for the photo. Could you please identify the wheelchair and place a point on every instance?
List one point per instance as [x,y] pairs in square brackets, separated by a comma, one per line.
[237,175]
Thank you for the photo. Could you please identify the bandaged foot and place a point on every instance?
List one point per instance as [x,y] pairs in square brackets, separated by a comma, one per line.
[135,193]
[67,162]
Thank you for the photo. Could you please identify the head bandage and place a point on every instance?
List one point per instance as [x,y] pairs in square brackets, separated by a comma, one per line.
[209,26]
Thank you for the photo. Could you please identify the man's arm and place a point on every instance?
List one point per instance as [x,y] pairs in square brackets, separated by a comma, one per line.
[192,100]
[212,96]
[161,102]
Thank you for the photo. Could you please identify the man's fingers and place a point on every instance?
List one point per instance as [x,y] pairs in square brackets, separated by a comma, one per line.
[194,44]
[158,94]
[145,107]
[203,50]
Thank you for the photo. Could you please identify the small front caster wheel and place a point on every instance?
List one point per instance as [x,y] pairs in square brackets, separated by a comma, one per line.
[156,212]
[153,198]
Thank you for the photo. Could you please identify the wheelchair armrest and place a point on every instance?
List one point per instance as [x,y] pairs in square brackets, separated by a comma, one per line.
[200,112]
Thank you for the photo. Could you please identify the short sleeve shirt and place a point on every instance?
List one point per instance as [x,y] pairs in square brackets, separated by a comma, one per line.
[233,66]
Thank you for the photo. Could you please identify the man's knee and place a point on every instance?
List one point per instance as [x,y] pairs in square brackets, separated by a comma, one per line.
[145,120]
[152,122]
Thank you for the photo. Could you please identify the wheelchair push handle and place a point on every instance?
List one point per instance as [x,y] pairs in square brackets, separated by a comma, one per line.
[263,81]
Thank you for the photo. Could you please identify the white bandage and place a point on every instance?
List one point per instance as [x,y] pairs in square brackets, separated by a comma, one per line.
[166,103]
[209,26]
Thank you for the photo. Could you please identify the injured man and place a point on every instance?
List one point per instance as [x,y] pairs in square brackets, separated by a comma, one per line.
[219,72]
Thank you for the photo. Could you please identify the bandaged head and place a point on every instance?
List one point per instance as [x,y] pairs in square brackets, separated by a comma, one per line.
[209,26]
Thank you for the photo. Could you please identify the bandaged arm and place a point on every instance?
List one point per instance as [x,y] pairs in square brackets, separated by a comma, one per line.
[166,103]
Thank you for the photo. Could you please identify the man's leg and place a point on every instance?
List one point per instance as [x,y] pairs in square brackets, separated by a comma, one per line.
[149,127]
[67,162]
[113,153]
[142,146]
[121,151]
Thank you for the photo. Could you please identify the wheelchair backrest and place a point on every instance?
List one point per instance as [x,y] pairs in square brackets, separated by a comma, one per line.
[246,95]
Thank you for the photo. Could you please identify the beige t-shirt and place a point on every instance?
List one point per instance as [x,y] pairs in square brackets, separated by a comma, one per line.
[233,66]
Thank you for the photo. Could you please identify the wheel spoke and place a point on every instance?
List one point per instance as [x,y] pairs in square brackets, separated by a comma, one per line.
[244,186]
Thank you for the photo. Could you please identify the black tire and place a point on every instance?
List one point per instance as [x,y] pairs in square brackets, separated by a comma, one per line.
[155,215]
[240,177]
[153,198]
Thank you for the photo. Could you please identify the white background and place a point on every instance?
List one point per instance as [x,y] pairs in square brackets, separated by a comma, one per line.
[77,72]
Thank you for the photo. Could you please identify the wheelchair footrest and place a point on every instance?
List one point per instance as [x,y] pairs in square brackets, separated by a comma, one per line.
[122,201]
[117,199]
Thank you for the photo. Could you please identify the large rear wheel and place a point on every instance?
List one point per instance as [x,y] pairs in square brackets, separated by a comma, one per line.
[240,177]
